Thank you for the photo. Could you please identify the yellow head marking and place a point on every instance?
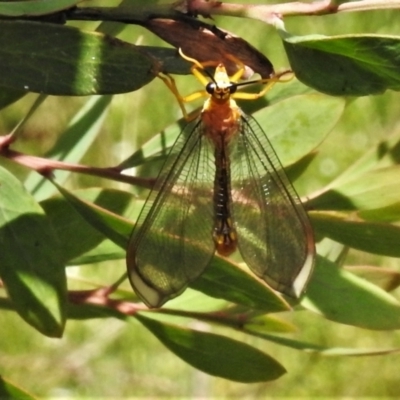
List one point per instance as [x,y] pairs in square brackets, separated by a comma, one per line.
[221,87]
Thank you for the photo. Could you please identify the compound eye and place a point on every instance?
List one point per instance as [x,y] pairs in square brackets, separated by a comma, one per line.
[232,88]
[210,88]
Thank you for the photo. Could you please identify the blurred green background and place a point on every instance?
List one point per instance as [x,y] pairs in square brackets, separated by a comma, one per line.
[111,359]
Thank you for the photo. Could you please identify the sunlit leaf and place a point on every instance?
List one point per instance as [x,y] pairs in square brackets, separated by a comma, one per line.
[343,297]
[359,65]
[105,251]
[385,278]
[224,279]
[67,61]
[390,213]
[362,193]
[269,323]
[385,153]
[31,267]
[322,350]
[114,227]
[373,237]
[349,352]
[72,145]
[77,235]
[34,7]
[299,124]
[9,391]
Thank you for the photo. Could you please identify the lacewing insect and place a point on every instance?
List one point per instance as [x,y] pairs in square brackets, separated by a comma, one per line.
[221,188]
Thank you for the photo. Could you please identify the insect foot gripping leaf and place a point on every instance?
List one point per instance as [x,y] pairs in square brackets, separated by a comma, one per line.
[221,188]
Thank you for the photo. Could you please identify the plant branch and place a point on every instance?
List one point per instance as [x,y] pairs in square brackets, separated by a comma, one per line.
[100,297]
[46,166]
[266,13]
[185,10]
[207,8]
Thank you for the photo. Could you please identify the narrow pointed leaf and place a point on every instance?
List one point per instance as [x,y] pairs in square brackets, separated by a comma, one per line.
[362,193]
[31,267]
[76,234]
[66,61]
[269,323]
[343,297]
[105,251]
[298,125]
[322,350]
[9,391]
[384,154]
[390,213]
[72,144]
[34,7]
[385,278]
[361,352]
[224,279]
[111,225]
[359,65]
[214,354]
[374,237]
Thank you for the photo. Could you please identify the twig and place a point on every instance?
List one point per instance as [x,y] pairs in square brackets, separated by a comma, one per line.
[267,13]
[45,166]
[100,297]
[184,10]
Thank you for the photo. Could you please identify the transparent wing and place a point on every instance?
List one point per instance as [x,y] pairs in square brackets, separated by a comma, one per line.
[172,244]
[275,237]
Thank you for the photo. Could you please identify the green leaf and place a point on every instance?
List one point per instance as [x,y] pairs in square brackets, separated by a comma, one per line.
[155,148]
[76,235]
[297,169]
[226,280]
[114,227]
[66,61]
[385,278]
[363,193]
[72,144]
[359,65]
[349,352]
[343,297]
[373,237]
[214,354]
[85,311]
[390,213]
[195,305]
[322,350]
[360,186]
[34,7]
[269,323]
[30,264]
[298,125]
[105,251]
[9,391]
[385,153]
